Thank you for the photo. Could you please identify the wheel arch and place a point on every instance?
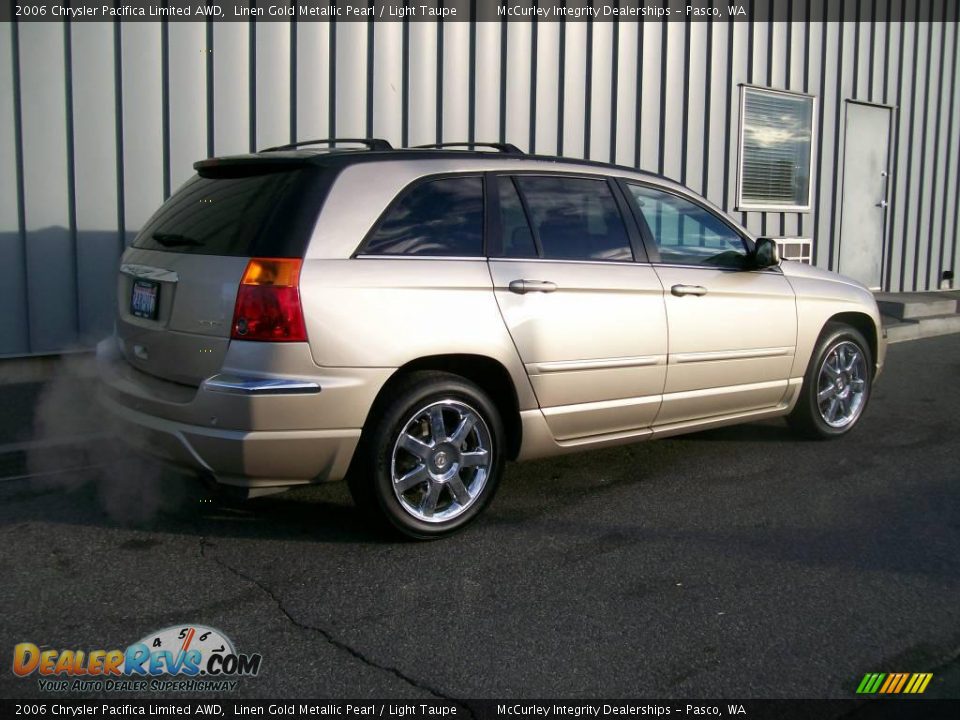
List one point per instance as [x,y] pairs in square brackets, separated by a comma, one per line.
[486,372]
[865,325]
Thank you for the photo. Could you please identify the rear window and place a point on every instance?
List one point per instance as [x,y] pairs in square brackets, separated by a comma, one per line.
[575,218]
[252,211]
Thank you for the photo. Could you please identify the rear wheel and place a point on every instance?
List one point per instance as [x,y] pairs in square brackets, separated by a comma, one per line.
[836,386]
[431,459]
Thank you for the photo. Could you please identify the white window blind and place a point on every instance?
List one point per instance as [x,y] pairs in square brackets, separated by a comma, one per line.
[776,149]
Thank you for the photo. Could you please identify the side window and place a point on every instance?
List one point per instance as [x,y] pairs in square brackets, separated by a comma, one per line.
[686,233]
[575,218]
[437,217]
[514,229]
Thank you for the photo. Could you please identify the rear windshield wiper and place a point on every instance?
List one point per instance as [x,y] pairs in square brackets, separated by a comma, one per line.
[175,240]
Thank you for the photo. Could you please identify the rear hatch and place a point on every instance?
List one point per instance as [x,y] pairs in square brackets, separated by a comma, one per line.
[178,282]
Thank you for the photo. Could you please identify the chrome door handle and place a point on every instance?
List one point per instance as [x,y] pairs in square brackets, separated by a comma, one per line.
[679,290]
[524,286]
[882,204]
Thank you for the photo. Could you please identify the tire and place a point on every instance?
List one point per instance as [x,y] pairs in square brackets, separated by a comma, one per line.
[836,386]
[431,456]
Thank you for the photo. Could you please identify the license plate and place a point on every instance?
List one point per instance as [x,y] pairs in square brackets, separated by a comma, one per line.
[144,299]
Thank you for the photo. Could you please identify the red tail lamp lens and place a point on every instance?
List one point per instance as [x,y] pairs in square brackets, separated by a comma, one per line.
[268,302]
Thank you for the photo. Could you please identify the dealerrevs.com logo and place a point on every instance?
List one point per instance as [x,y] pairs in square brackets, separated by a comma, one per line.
[181,658]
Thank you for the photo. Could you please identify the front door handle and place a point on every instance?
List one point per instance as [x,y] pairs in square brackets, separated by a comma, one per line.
[524,286]
[680,290]
[882,204]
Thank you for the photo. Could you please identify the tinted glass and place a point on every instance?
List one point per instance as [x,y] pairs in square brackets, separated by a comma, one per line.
[438,217]
[575,218]
[243,214]
[686,233]
[514,228]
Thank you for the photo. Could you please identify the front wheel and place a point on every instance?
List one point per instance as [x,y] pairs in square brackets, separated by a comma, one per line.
[432,458]
[836,386]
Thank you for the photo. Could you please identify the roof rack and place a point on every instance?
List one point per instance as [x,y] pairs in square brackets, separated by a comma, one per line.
[508,148]
[371,143]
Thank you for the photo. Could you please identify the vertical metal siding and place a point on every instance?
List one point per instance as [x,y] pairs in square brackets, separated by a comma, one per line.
[14,331]
[134,104]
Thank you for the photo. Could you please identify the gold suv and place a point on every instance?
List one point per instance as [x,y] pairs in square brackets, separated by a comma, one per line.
[411,319]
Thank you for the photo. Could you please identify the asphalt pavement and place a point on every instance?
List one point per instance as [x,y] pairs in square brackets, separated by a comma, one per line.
[735,563]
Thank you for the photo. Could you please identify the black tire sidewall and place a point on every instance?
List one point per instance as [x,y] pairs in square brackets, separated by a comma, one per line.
[384,436]
[832,335]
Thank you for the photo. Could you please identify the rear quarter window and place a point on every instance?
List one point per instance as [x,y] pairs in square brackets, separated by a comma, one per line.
[246,211]
[441,217]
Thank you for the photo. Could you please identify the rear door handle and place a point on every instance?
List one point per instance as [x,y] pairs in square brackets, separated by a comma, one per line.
[679,290]
[524,286]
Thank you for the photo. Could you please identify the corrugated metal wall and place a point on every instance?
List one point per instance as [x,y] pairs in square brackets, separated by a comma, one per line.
[100,121]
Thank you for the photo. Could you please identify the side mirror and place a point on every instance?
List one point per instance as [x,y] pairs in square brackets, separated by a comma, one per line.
[766,253]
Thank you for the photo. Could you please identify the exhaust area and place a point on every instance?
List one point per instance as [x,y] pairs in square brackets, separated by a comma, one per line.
[76,446]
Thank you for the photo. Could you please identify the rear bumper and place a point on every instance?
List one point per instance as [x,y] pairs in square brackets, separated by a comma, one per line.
[245,430]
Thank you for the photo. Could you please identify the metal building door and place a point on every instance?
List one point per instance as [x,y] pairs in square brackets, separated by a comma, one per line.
[864,198]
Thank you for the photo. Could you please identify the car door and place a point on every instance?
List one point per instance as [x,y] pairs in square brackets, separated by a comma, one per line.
[587,319]
[732,329]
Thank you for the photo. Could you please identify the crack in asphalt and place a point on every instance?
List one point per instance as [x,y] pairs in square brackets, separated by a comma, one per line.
[326,634]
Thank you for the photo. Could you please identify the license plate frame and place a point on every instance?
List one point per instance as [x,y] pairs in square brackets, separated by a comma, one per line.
[145,299]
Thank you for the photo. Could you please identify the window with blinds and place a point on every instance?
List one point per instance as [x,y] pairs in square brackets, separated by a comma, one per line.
[776,148]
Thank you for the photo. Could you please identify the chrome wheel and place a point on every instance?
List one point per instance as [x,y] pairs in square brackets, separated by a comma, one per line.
[842,384]
[441,461]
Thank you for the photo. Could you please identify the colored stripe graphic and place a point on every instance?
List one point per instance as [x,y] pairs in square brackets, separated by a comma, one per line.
[894,683]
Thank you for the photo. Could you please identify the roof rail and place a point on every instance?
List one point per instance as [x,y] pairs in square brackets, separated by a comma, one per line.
[508,148]
[371,143]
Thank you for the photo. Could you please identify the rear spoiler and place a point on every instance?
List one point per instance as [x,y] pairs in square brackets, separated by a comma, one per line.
[238,165]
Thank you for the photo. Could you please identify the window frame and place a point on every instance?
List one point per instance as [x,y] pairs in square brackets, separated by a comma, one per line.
[361,251]
[754,207]
[653,250]
[638,248]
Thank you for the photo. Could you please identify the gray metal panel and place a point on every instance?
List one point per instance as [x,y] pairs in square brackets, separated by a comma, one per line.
[693,145]
[423,83]
[599,103]
[843,85]
[825,172]
[627,71]
[95,156]
[456,88]
[188,99]
[142,121]
[488,81]
[912,198]
[273,83]
[951,232]
[231,88]
[387,81]
[650,101]
[675,92]
[518,84]
[351,103]
[574,90]
[720,102]
[548,86]
[14,337]
[51,261]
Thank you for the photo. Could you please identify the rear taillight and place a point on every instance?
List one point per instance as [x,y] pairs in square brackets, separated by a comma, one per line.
[268,302]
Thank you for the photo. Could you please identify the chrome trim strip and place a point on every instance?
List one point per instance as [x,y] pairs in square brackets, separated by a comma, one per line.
[730,355]
[602,405]
[238,385]
[601,364]
[459,258]
[149,273]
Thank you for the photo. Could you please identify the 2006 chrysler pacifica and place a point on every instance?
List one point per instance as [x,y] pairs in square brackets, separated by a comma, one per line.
[411,319]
